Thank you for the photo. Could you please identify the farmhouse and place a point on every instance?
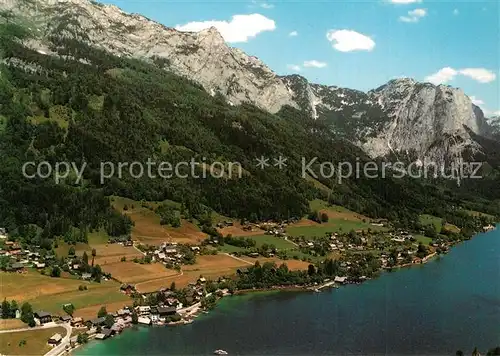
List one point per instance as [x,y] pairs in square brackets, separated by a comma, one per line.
[341,280]
[76,322]
[123,312]
[55,339]
[16,267]
[39,265]
[65,319]
[127,288]
[144,320]
[104,334]
[143,309]
[164,311]
[43,317]
[98,321]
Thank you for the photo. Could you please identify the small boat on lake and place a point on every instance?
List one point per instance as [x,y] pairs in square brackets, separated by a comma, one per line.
[220,352]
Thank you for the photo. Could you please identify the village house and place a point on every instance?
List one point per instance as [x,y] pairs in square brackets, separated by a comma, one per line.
[127,288]
[98,321]
[39,265]
[143,310]
[144,320]
[55,339]
[341,280]
[166,311]
[104,334]
[118,326]
[488,228]
[66,318]
[91,331]
[76,322]
[43,317]
[123,312]
[86,276]
[16,267]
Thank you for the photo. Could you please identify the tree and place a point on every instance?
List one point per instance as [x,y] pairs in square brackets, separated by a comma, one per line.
[94,253]
[311,270]
[102,312]
[26,308]
[82,338]
[459,353]
[324,217]
[172,286]
[6,309]
[4,262]
[85,258]
[27,314]
[494,352]
[55,272]
[135,318]
[69,309]
[71,251]
[109,321]
[13,308]
[430,231]
[421,251]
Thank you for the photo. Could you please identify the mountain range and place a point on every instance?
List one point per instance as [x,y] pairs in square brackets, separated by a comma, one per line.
[404,118]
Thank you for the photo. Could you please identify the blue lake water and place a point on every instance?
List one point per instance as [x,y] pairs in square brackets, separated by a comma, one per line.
[448,304]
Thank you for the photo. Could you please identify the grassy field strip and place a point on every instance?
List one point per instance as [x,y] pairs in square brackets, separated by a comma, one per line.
[33,342]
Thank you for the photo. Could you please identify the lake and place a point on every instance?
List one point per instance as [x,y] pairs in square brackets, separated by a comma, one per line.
[451,303]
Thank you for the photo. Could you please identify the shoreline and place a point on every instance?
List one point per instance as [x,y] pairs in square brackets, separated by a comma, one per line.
[194,311]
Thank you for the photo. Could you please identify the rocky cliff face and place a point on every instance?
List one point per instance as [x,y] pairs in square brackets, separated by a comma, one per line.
[432,121]
[401,117]
[203,57]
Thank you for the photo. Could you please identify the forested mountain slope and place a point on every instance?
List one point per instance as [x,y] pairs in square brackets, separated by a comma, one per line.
[81,104]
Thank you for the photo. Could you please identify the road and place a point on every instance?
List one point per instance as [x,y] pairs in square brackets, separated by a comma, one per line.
[45,326]
[59,349]
[239,259]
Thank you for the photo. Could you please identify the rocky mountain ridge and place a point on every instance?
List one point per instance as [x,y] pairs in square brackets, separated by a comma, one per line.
[401,117]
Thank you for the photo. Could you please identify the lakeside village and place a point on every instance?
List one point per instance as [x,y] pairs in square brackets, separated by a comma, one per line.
[335,259]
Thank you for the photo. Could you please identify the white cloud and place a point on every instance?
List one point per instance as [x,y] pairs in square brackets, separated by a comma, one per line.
[414,15]
[314,64]
[293,34]
[442,76]
[447,74]
[240,29]
[349,40]
[481,75]
[456,12]
[489,113]
[405,2]
[294,67]
[476,101]
[261,4]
